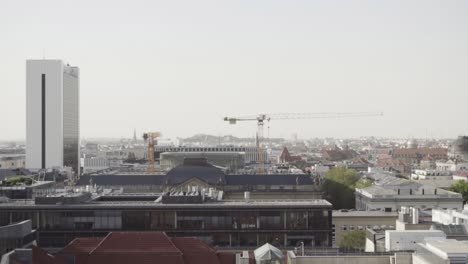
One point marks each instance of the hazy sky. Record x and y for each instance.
(179, 66)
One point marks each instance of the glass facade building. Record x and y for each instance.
(225, 224)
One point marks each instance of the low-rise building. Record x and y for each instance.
(61, 217)
(252, 154)
(198, 172)
(431, 175)
(460, 175)
(394, 165)
(441, 251)
(127, 247)
(345, 221)
(396, 240)
(451, 165)
(349, 258)
(231, 160)
(92, 164)
(393, 197)
(12, 162)
(451, 217)
(16, 235)
(24, 190)
(415, 155)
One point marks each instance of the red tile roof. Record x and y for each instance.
(136, 242)
(421, 151)
(82, 245)
(226, 258)
(195, 251)
(136, 258)
(143, 248)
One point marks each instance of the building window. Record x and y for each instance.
(344, 227)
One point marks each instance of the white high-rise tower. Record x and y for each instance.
(53, 118)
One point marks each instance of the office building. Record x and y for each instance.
(61, 217)
(52, 113)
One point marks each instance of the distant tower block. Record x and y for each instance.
(134, 135)
(412, 144)
(459, 149)
(52, 114)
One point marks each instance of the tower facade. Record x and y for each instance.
(52, 115)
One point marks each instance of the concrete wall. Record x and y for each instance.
(407, 240)
(17, 230)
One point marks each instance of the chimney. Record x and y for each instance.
(415, 215)
(247, 196)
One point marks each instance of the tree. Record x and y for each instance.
(353, 240)
(460, 187)
(364, 183)
(339, 187)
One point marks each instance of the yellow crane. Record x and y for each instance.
(261, 118)
(151, 138)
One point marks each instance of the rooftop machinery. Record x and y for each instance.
(261, 118)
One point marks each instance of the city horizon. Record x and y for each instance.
(167, 67)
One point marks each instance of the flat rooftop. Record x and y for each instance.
(263, 203)
(448, 246)
(339, 213)
(24, 186)
(418, 192)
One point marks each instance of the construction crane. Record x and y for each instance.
(261, 118)
(151, 137)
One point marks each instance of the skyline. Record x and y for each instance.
(407, 60)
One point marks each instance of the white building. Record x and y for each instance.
(439, 250)
(451, 217)
(431, 175)
(392, 197)
(398, 240)
(460, 175)
(451, 165)
(52, 113)
(13, 162)
(95, 164)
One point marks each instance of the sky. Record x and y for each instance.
(179, 67)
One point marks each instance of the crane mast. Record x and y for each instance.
(261, 118)
(151, 138)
